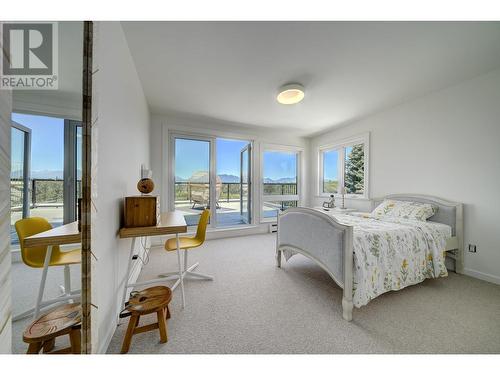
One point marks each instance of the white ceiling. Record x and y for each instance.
(231, 70)
(68, 96)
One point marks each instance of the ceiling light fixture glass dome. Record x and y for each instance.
(291, 93)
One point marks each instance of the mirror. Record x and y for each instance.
(49, 149)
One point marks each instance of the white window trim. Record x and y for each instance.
(340, 146)
(270, 198)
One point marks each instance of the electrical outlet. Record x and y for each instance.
(472, 248)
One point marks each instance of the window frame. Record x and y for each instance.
(212, 139)
(341, 146)
(271, 198)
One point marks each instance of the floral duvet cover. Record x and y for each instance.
(393, 253)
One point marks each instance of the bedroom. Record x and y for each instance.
(367, 150)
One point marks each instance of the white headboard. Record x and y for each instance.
(450, 213)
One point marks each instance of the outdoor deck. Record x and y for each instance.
(228, 213)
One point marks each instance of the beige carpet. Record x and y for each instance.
(254, 307)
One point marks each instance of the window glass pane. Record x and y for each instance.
(271, 209)
(280, 173)
(330, 171)
(354, 180)
(232, 182)
(192, 178)
(47, 166)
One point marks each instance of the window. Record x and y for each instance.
(279, 182)
(345, 165)
(331, 171)
(210, 169)
(46, 169)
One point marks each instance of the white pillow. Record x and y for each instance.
(405, 210)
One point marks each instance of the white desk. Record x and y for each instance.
(170, 223)
(62, 235)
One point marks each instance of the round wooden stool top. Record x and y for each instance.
(149, 300)
(53, 324)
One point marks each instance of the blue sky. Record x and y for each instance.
(47, 141)
(192, 156)
(228, 156)
(280, 165)
(330, 170)
(47, 152)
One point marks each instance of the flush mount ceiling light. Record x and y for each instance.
(290, 94)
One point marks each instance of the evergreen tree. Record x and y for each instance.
(355, 171)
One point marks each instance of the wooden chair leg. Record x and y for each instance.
(130, 332)
(75, 338)
(49, 345)
(168, 312)
(34, 348)
(162, 326)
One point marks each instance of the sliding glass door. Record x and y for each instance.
(20, 176)
(217, 170)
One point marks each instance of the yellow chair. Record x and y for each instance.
(187, 243)
(36, 257)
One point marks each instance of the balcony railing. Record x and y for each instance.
(42, 191)
(232, 190)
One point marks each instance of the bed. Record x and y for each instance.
(369, 256)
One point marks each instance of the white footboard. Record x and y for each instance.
(324, 240)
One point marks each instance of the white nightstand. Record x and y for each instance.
(336, 210)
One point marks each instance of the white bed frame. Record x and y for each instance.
(322, 238)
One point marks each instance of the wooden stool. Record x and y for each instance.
(148, 301)
(42, 333)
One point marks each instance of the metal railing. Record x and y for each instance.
(232, 190)
(277, 188)
(42, 191)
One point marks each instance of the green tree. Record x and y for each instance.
(355, 171)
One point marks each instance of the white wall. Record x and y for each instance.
(49, 103)
(5, 256)
(445, 144)
(161, 125)
(120, 145)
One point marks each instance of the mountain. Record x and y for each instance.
(53, 175)
(225, 178)
(45, 174)
(228, 178)
(284, 180)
